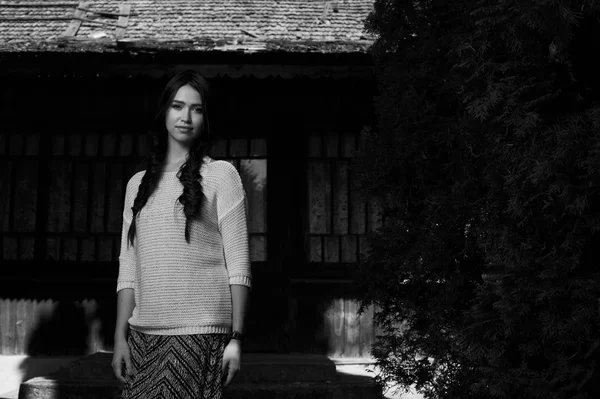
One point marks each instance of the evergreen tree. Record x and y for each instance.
(487, 154)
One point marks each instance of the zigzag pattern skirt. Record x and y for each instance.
(175, 366)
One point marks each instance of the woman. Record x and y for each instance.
(184, 270)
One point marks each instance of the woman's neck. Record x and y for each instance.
(175, 157)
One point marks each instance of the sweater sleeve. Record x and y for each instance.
(127, 257)
(231, 208)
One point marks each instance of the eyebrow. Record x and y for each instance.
(181, 102)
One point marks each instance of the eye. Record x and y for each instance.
(175, 106)
(198, 110)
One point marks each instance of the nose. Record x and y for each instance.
(186, 115)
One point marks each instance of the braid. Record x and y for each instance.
(192, 196)
(147, 185)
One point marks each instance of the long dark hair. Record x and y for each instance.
(189, 173)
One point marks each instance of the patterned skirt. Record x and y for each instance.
(175, 366)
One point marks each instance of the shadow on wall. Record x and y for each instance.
(61, 335)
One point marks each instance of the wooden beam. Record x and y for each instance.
(124, 9)
(247, 32)
(326, 9)
(33, 5)
(108, 14)
(74, 19)
(13, 19)
(93, 21)
(154, 69)
(76, 22)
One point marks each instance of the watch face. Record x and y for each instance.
(237, 335)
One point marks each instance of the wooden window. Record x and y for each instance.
(249, 156)
(84, 176)
(88, 174)
(61, 200)
(339, 217)
(19, 179)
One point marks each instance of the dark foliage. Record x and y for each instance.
(487, 156)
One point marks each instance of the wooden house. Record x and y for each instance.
(293, 87)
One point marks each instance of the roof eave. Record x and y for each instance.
(196, 45)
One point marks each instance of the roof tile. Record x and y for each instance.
(293, 20)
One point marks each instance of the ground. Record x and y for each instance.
(370, 370)
(12, 374)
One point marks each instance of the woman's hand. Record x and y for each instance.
(231, 360)
(120, 355)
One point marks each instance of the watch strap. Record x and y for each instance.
(237, 335)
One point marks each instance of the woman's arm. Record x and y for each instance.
(231, 206)
(122, 354)
(233, 351)
(239, 299)
(233, 225)
(125, 291)
(125, 305)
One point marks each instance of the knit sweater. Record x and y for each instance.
(181, 287)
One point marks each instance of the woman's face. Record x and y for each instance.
(184, 117)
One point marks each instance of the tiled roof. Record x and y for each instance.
(228, 25)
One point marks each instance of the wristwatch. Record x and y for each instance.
(237, 335)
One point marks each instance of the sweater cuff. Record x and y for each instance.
(240, 280)
(124, 284)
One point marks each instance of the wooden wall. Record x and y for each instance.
(62, 184)
(50, 327)
(332, 327)
(249, 156)
(85, 177)
(339, 217)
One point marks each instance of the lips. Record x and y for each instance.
(184, 127)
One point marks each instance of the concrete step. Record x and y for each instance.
(262, 376)
(256, 367)
(343, 387)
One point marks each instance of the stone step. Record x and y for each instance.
(256, 367)
(297, 376)
(342, 387)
